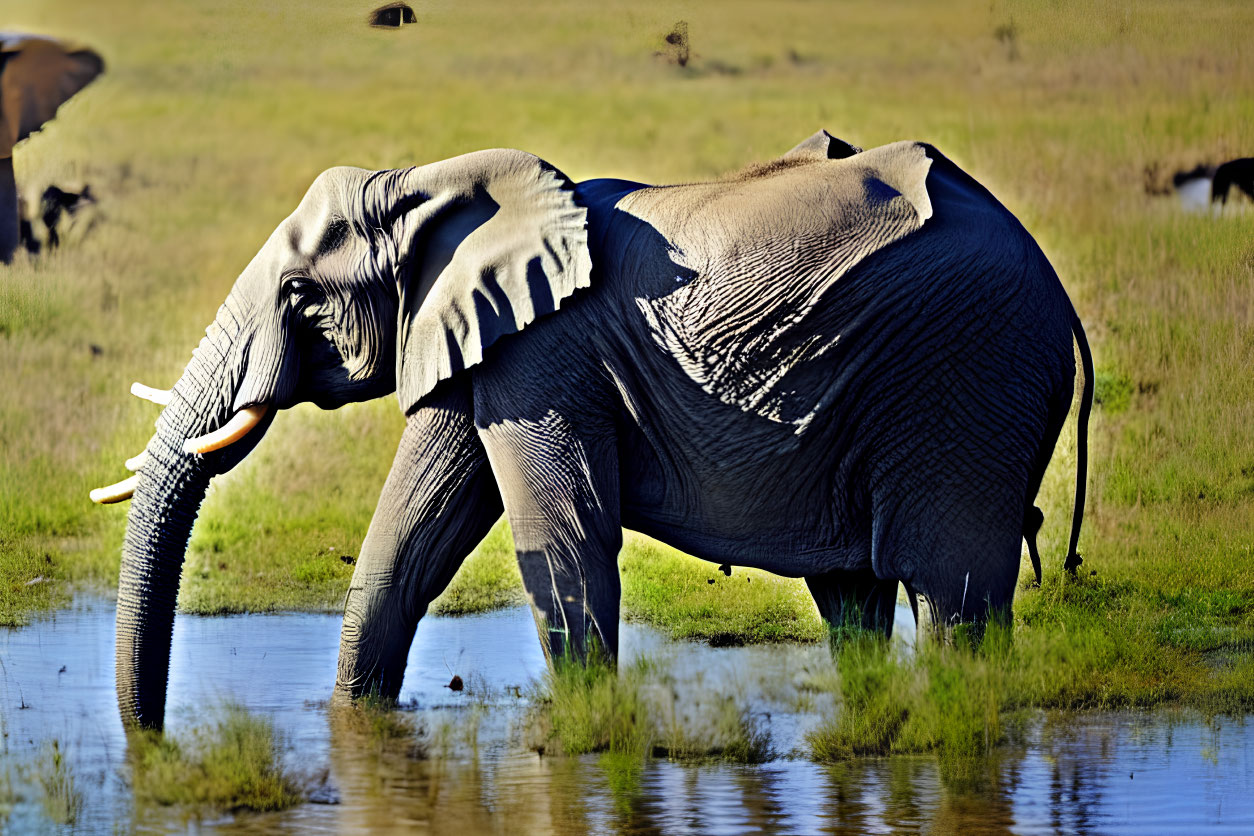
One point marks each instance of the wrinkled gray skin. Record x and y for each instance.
(851, 370)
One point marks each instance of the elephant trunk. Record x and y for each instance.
(170, 488)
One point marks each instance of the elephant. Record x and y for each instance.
(842, 365)
(37, 76)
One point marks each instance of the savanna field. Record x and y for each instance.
(211, 121)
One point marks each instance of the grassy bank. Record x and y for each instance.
(210, 124)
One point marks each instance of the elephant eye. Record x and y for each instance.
(298, 285)
(303, 292)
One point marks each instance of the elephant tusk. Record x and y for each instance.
(135, 463)
(157, 396)
(115, 493)
(229, 433)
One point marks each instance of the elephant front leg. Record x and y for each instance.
(439, 501)
(854, 599)
(560, 489)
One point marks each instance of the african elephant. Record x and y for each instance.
(848, 366)
(37, 75)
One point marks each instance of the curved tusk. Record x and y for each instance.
(134, 464)
(115, 493)
(229, 433)
(157, 396)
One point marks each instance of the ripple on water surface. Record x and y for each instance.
(1078, 773)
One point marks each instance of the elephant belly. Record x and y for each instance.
(791, 554)
(786, 517)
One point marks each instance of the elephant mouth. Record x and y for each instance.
(240, 424)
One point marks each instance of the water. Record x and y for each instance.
(1194, 194)
(1102, 773)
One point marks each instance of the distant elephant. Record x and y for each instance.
(37, 75)
(846, 366)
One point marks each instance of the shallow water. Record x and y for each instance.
(1087, 773)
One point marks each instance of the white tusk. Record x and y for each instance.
(115, 493)
(137, 462)
(157, 396)
(229, 433)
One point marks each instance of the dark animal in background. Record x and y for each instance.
(392, 16)
(1239, 173)
(1198, 172)
(56, 202)
(25, 230)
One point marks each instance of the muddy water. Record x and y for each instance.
(1088, 773)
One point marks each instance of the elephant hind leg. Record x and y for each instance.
(854, 599)
(968, 578)
(438, 502)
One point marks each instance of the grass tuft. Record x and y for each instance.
(625, 716)
(232, 763)
(593, 707)
(62, 801)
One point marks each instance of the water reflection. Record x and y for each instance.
(466, 771)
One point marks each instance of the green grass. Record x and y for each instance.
(593, 708)
(62, 800)
(1078, 644)
(692, 599)
(8, 795)
(210, 124)
(488, 580)
(231, 763)
(627, 715)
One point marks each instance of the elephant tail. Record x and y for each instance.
(1082, 444)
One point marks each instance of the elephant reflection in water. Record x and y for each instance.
(849, 366)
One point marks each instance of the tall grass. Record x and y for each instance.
(61, 798)
(592, 708)
(626, 715)
(230, 763)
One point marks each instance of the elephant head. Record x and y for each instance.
(379, 281)
(37, 75)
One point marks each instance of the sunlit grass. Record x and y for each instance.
(593, 707)
(230, 763)
(692, 599)
(627, 715)
(488, 580)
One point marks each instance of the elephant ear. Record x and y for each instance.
(37, 75)
(493, 241)
(822, 146)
